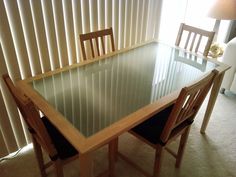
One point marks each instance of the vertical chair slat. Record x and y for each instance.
(83, 49)
(198, 43)
(92, 49)
(193, 41)
(112, 40)
(187, 41)
(97, 44)
(103, 46)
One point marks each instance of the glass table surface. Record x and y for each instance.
(96, 95)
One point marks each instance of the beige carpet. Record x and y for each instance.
(210, 155)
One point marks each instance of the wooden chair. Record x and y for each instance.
(96, 35)
(191, 43)
(44, 134)
(172, 122)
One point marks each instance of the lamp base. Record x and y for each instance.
(216, 29)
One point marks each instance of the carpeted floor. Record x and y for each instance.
(209, 155)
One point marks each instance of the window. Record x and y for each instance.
(191, 12)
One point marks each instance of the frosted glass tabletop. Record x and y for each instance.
(96, 95)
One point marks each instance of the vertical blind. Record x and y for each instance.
(37, 36)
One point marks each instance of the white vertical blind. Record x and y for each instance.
(133, 27)
(40, 33)
(139, 21)
(77, 16)
(49, 26)
(121, 23)
(115, 21)
(19, 41)
(144, 19)
(7, 139)
(157, 13)
(29, 35)
(64, 55)
(108, 19)
(7, 45)
(70, 35)
(127, 23)
(101, 14)
(37, 36)
(93, 8)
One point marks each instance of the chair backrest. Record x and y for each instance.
(188, 103)
(31, 117)
(191, 43)
(96, 35)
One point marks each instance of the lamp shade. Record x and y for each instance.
(223, 10)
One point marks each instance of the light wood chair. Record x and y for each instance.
(171, 123)
(194, 33)
(44, 134)
(95, 36)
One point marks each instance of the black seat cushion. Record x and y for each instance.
(151, 129)
(63, 147)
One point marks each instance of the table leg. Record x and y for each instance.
(113, 148)
(85, 165)
(214, 93)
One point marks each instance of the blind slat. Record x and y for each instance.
(76, 5)
(86, 23)
(101, 14)
(108, 21)
(49, 26)
(127, 23)
(60, 32)
(134, 21)
(93, 15)
(158, 18)
(139, 21)
(8, 142)
(144, 20)
(8, 53)
(108, 13)
(18, 37)
(70, 38)
(151, 19)
(10, 121)
(3, 150)
(121, 23)
(40, 34)
(29, 35)
(6, 129)
(115, 22)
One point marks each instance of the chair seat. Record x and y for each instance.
(152, 128)
(63, 147)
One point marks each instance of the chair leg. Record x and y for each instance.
(158, 159)
(58, 168)
(182, 145)
(39, 157)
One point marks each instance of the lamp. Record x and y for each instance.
(222, 10)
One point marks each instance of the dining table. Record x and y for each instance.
(95, 101)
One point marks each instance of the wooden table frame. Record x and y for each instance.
(109, 135)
